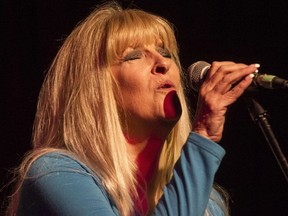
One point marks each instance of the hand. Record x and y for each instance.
(225, 83)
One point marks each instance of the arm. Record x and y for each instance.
(58, 185)
(189, 190)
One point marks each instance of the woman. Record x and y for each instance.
(112, 122)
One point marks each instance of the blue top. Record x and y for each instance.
(57, 184)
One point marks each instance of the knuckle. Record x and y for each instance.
(226, 78)
(215, 64)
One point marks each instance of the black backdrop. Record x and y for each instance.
(252, 31)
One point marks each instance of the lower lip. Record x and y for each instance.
(167, 88)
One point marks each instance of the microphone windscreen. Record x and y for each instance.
(196, 74)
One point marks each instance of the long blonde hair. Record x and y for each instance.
(77, 112)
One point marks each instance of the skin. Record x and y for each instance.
(145, 76)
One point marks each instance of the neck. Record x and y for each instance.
(145, 142)
(146, 155)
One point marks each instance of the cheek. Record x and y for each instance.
(172, 106)
(133, 96)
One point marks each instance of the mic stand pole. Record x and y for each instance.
(259, 115)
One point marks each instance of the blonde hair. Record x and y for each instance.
(77, 112)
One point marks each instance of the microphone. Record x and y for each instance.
(197, 73)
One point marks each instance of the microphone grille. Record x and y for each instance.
(196, 74)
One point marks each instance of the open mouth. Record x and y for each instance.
(166, 85)
(172, 106)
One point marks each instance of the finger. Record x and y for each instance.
(216, 65)
(233, 74)
(217, 71)
(238, 89)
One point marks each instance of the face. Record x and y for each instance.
(148, 79)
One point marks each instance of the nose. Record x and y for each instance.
(161, 65)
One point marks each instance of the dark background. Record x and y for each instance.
(239, 30)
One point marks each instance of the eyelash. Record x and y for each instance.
(133, 56)
(138, 54)
(165, 53)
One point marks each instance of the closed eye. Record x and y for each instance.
(164, 52)
(135, 54)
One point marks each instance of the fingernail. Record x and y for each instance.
(252, 75)
(257, 65)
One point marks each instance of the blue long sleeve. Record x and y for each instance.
(57, 184)
(189, 190)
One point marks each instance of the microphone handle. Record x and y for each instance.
(271, 81)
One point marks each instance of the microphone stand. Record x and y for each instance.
(259, 115)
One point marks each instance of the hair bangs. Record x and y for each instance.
(135, 28)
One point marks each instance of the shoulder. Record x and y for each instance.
(60, 184)
(55, 162)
